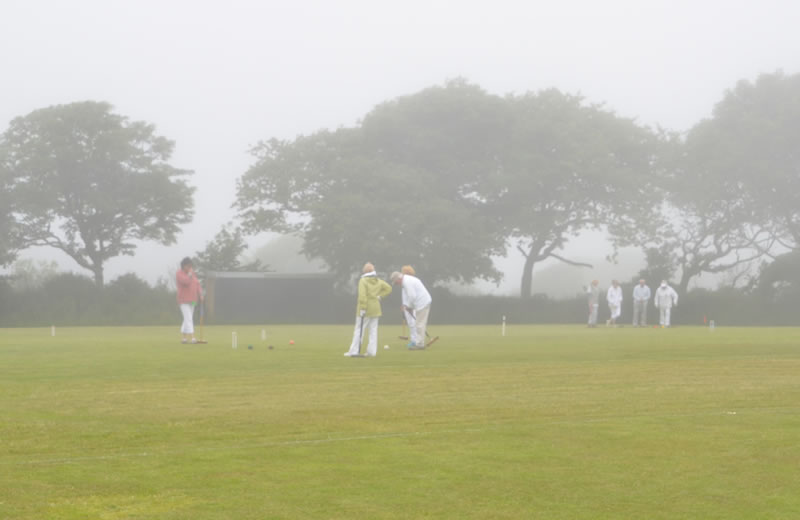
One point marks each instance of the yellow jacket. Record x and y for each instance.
(370, 291)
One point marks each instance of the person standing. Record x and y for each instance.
(417, 302)
(368, 311)
(666, 298)
(189, 294)
(614, 299)
(641, 297)
(593, 293)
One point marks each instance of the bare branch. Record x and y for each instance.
(571, 262)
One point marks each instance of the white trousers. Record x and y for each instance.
(593, 313)
(412, 326)
(187, 309)
(370, 328)
(640, 313)
(422, 323)
(664, 313)
(616, 310)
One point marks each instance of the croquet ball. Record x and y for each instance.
(250, 347)
(386, 347)
(270, 347)
(291, 342)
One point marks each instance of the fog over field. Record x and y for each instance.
(219, 77)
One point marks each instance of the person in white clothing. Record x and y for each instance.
(641, 297)
(408, 316)
(614, 299)
(593, 294)
(666, 298)
(417, 300)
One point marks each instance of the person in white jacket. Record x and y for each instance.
(614, 299)
(593, 295)
(666, 298)
(408, 316)
(417, 300)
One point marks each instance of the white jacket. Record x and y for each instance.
(415, 295)
(614, 296)
(666, 297)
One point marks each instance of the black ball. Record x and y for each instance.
(250, 347)
(270, 347)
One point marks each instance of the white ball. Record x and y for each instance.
(386, 347)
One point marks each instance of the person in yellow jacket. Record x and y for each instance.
(370, 291)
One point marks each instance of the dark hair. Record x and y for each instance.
(186, 261)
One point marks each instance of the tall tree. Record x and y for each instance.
(722, 195)
(566, 167)
(756, 130)
(398, 188)
(90, 182)
(700, 223)
(8, 228)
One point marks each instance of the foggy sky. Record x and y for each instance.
(217, 77)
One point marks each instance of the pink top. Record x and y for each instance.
(188, 287)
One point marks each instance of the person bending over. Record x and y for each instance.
(417, 302)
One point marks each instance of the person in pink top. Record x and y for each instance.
(189, 295)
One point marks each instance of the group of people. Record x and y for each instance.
(416, 302)
(664, 300)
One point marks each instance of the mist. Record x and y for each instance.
(219, 78)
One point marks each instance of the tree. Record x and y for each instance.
(756, 130)
(90, 183)
(224, 253)
(9, 240)
(659, 265)
(565, 168)
(779, 281)
(704, 237)
(705, 221)
(398, 188)
(28, 275)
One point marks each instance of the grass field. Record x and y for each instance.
(548, 422)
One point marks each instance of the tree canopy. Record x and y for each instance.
(91, 183)
(446, 178)
(395, 190)
(756, 131)
(565, 168)
(8, 229)
(730, 193)
(224, 253)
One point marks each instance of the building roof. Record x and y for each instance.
(268, 275)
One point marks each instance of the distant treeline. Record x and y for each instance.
(446, 179)
(68, 299)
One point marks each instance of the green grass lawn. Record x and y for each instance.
(548, 422)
